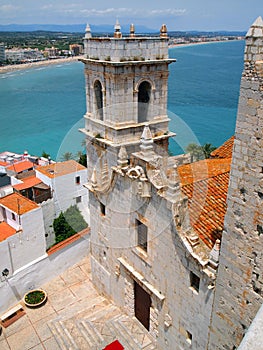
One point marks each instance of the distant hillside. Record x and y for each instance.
(70, 28)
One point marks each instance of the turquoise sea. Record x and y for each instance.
(41, 109)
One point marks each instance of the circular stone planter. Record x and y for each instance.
(35, 298)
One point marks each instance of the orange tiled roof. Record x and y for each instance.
(27, 183)
(6, 231)
(205, 183)
(20, 166)
(17, 203)
(224, 151)
(61, 168)
(203, 169)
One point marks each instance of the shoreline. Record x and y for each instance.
(22, 66)
(172, 46)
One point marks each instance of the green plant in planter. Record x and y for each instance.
(35, 297)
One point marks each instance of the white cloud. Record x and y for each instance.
(168, 12)
(124, 12)
(9, 8)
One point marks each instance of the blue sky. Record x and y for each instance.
(177, 14)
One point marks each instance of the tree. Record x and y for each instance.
(208, 149)
(45, 154)
(196, 151)
(68, 223)
(67, 156)
(83, 160)
(200, 152)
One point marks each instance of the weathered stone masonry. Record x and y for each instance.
(239, 285)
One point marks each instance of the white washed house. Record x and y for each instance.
(22, 234)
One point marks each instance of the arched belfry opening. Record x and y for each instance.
(144, 98)
(98, 99)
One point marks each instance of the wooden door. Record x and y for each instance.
(142, 304)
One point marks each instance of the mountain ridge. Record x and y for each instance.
(104, 28)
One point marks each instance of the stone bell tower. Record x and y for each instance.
(126, 89)
(239, 285)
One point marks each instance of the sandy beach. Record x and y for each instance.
(201, 43)
(11, 68)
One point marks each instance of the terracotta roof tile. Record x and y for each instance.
(20, 166)
(205, 183)
(224, 151)
(6, 231)
(27, 183)
(61, 168)
(203, 169)
(17, 203)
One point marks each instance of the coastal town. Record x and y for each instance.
(137, 248)
(68, 46)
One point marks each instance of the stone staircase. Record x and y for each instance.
(96, 326)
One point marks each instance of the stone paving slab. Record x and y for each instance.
(72, 299)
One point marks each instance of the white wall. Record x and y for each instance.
(65, 191)
(28, 245)
(38, 273)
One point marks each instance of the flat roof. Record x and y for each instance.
(61, 168)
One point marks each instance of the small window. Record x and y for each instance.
(141, 235)
(189, 337)
(102, 209)
(13, 217)
(194, 281)
(78, 199)
(77, 180)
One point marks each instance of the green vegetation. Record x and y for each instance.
(45, 154)
(40, 39)
(68, 223)
(67, 156)
(34, 297)
(83, 160)
(200, 152)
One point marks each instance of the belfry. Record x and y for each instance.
(126, 89)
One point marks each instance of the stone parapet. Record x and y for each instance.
(126, 49)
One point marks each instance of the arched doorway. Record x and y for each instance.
(98, 98)
(144, 97)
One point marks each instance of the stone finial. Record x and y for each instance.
(87, 32)
(173, 184)
(123, 157)
(163, 31)
(214, 255)
(146, 141)
(254, 38)
(132, 31)
(105, 173)
(117, 28)
(93, 179)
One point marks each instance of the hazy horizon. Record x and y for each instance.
(204, 15)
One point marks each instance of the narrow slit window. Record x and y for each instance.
(142, 235)
(194, 281)
(102, 209)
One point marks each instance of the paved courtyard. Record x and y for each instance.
(74, 317)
